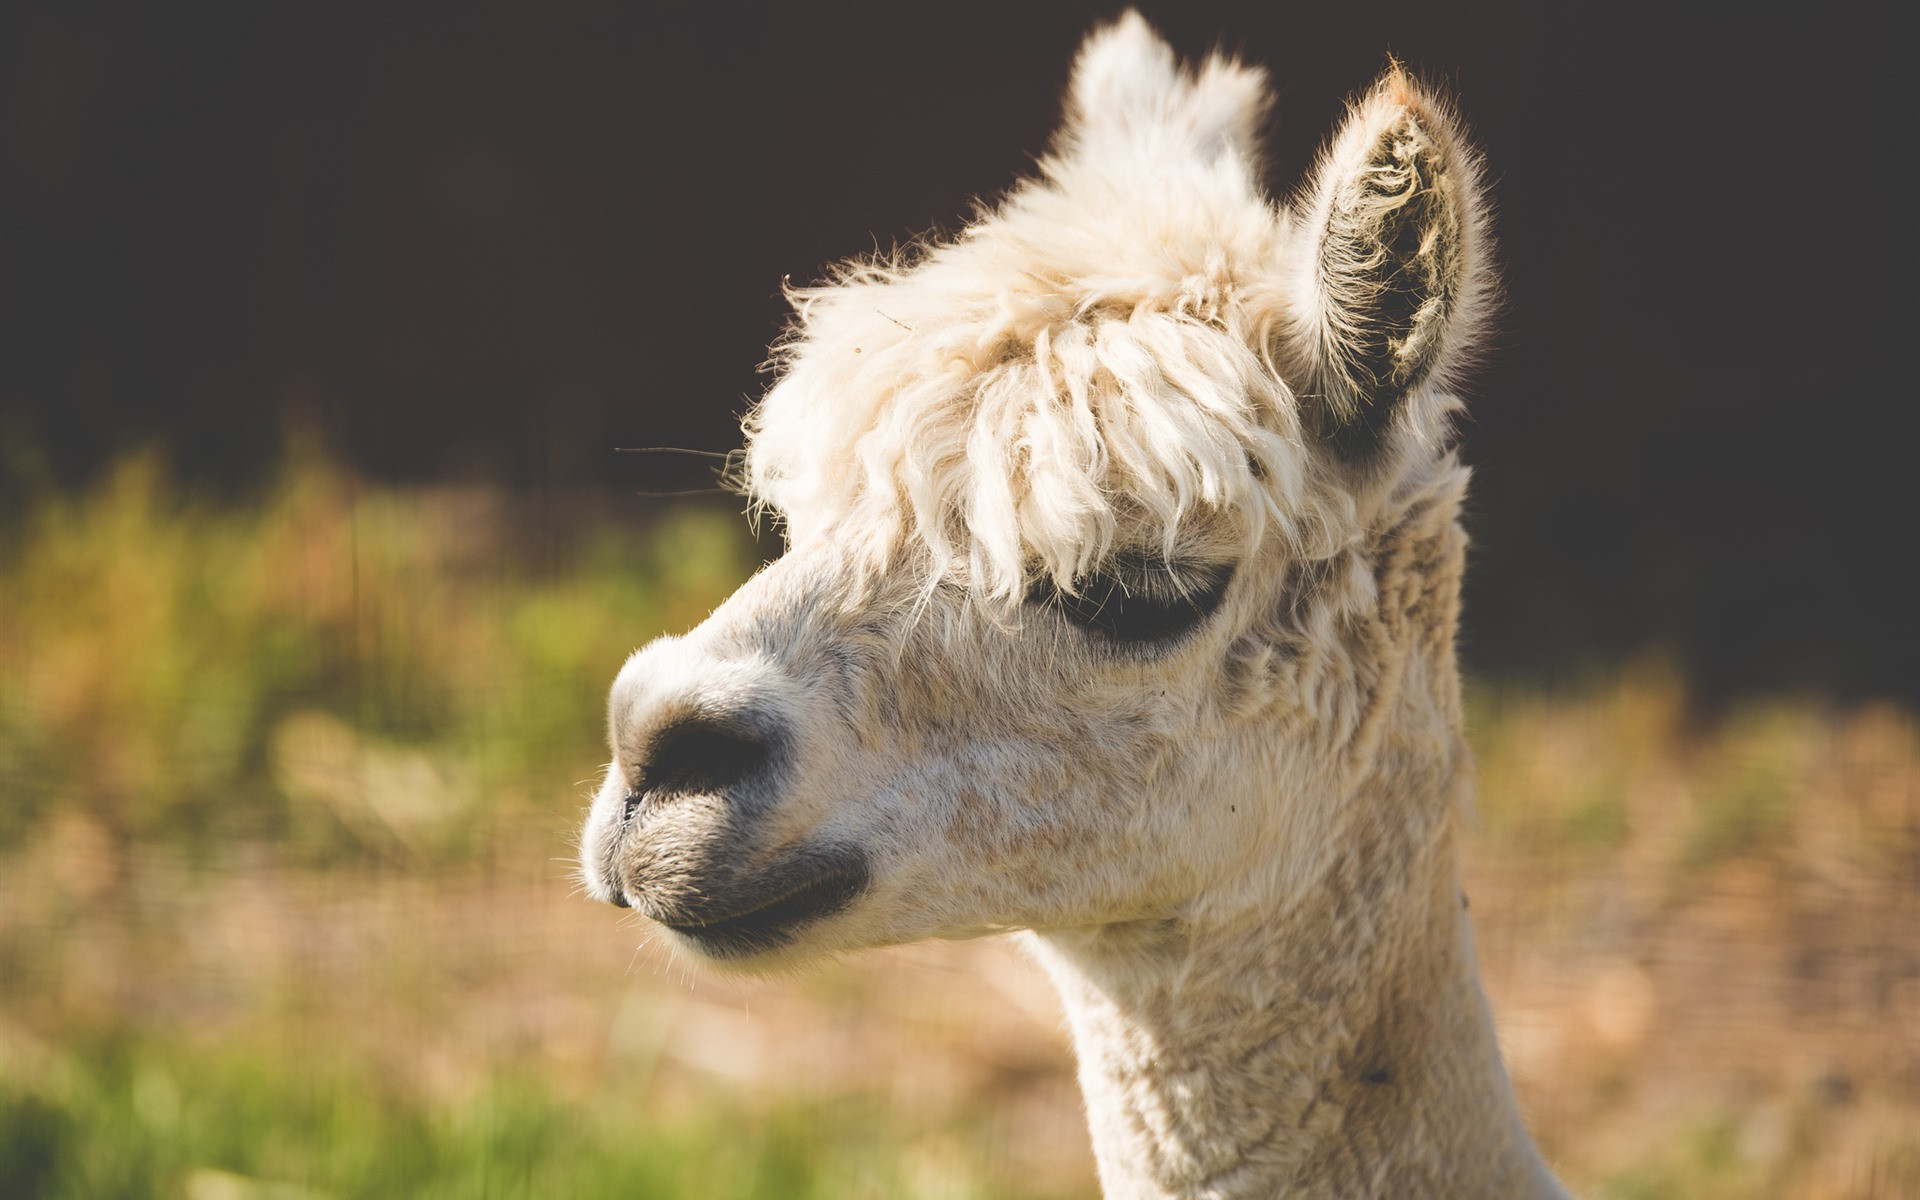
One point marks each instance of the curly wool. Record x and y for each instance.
(1083, 369)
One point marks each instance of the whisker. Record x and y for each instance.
(722, 455)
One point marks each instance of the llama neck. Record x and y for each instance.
(1343, 1049)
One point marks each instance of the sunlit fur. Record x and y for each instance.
(1234, 849)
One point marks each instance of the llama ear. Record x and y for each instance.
(1387, 279)
(1130, 98)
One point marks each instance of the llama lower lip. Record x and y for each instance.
(768, 921)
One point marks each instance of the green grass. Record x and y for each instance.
(133, 1118)
(336, 670)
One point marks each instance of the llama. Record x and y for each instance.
(1118, 609)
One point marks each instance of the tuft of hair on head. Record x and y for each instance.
(1392, 282)
(1130, 99)
(1136, 343)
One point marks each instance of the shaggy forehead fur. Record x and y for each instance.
(1087, 367)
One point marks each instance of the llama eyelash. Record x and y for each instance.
(1138, 601)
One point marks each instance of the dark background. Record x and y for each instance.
(492, 243)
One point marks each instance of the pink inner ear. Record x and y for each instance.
(1390, 281)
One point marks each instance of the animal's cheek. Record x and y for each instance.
(1254, 675)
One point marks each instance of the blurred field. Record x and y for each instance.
(286, 798)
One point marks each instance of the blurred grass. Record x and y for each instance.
(127, 1119)
(285, 782)
(338, 670)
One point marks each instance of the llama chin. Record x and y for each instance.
(1119, 607)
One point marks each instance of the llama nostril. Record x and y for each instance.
(701, 755)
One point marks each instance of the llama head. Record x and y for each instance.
(1085, 601)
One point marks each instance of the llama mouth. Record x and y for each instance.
(788, 899)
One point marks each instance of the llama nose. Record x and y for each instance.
(704, 754)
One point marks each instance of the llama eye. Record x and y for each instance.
(1139, 601)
